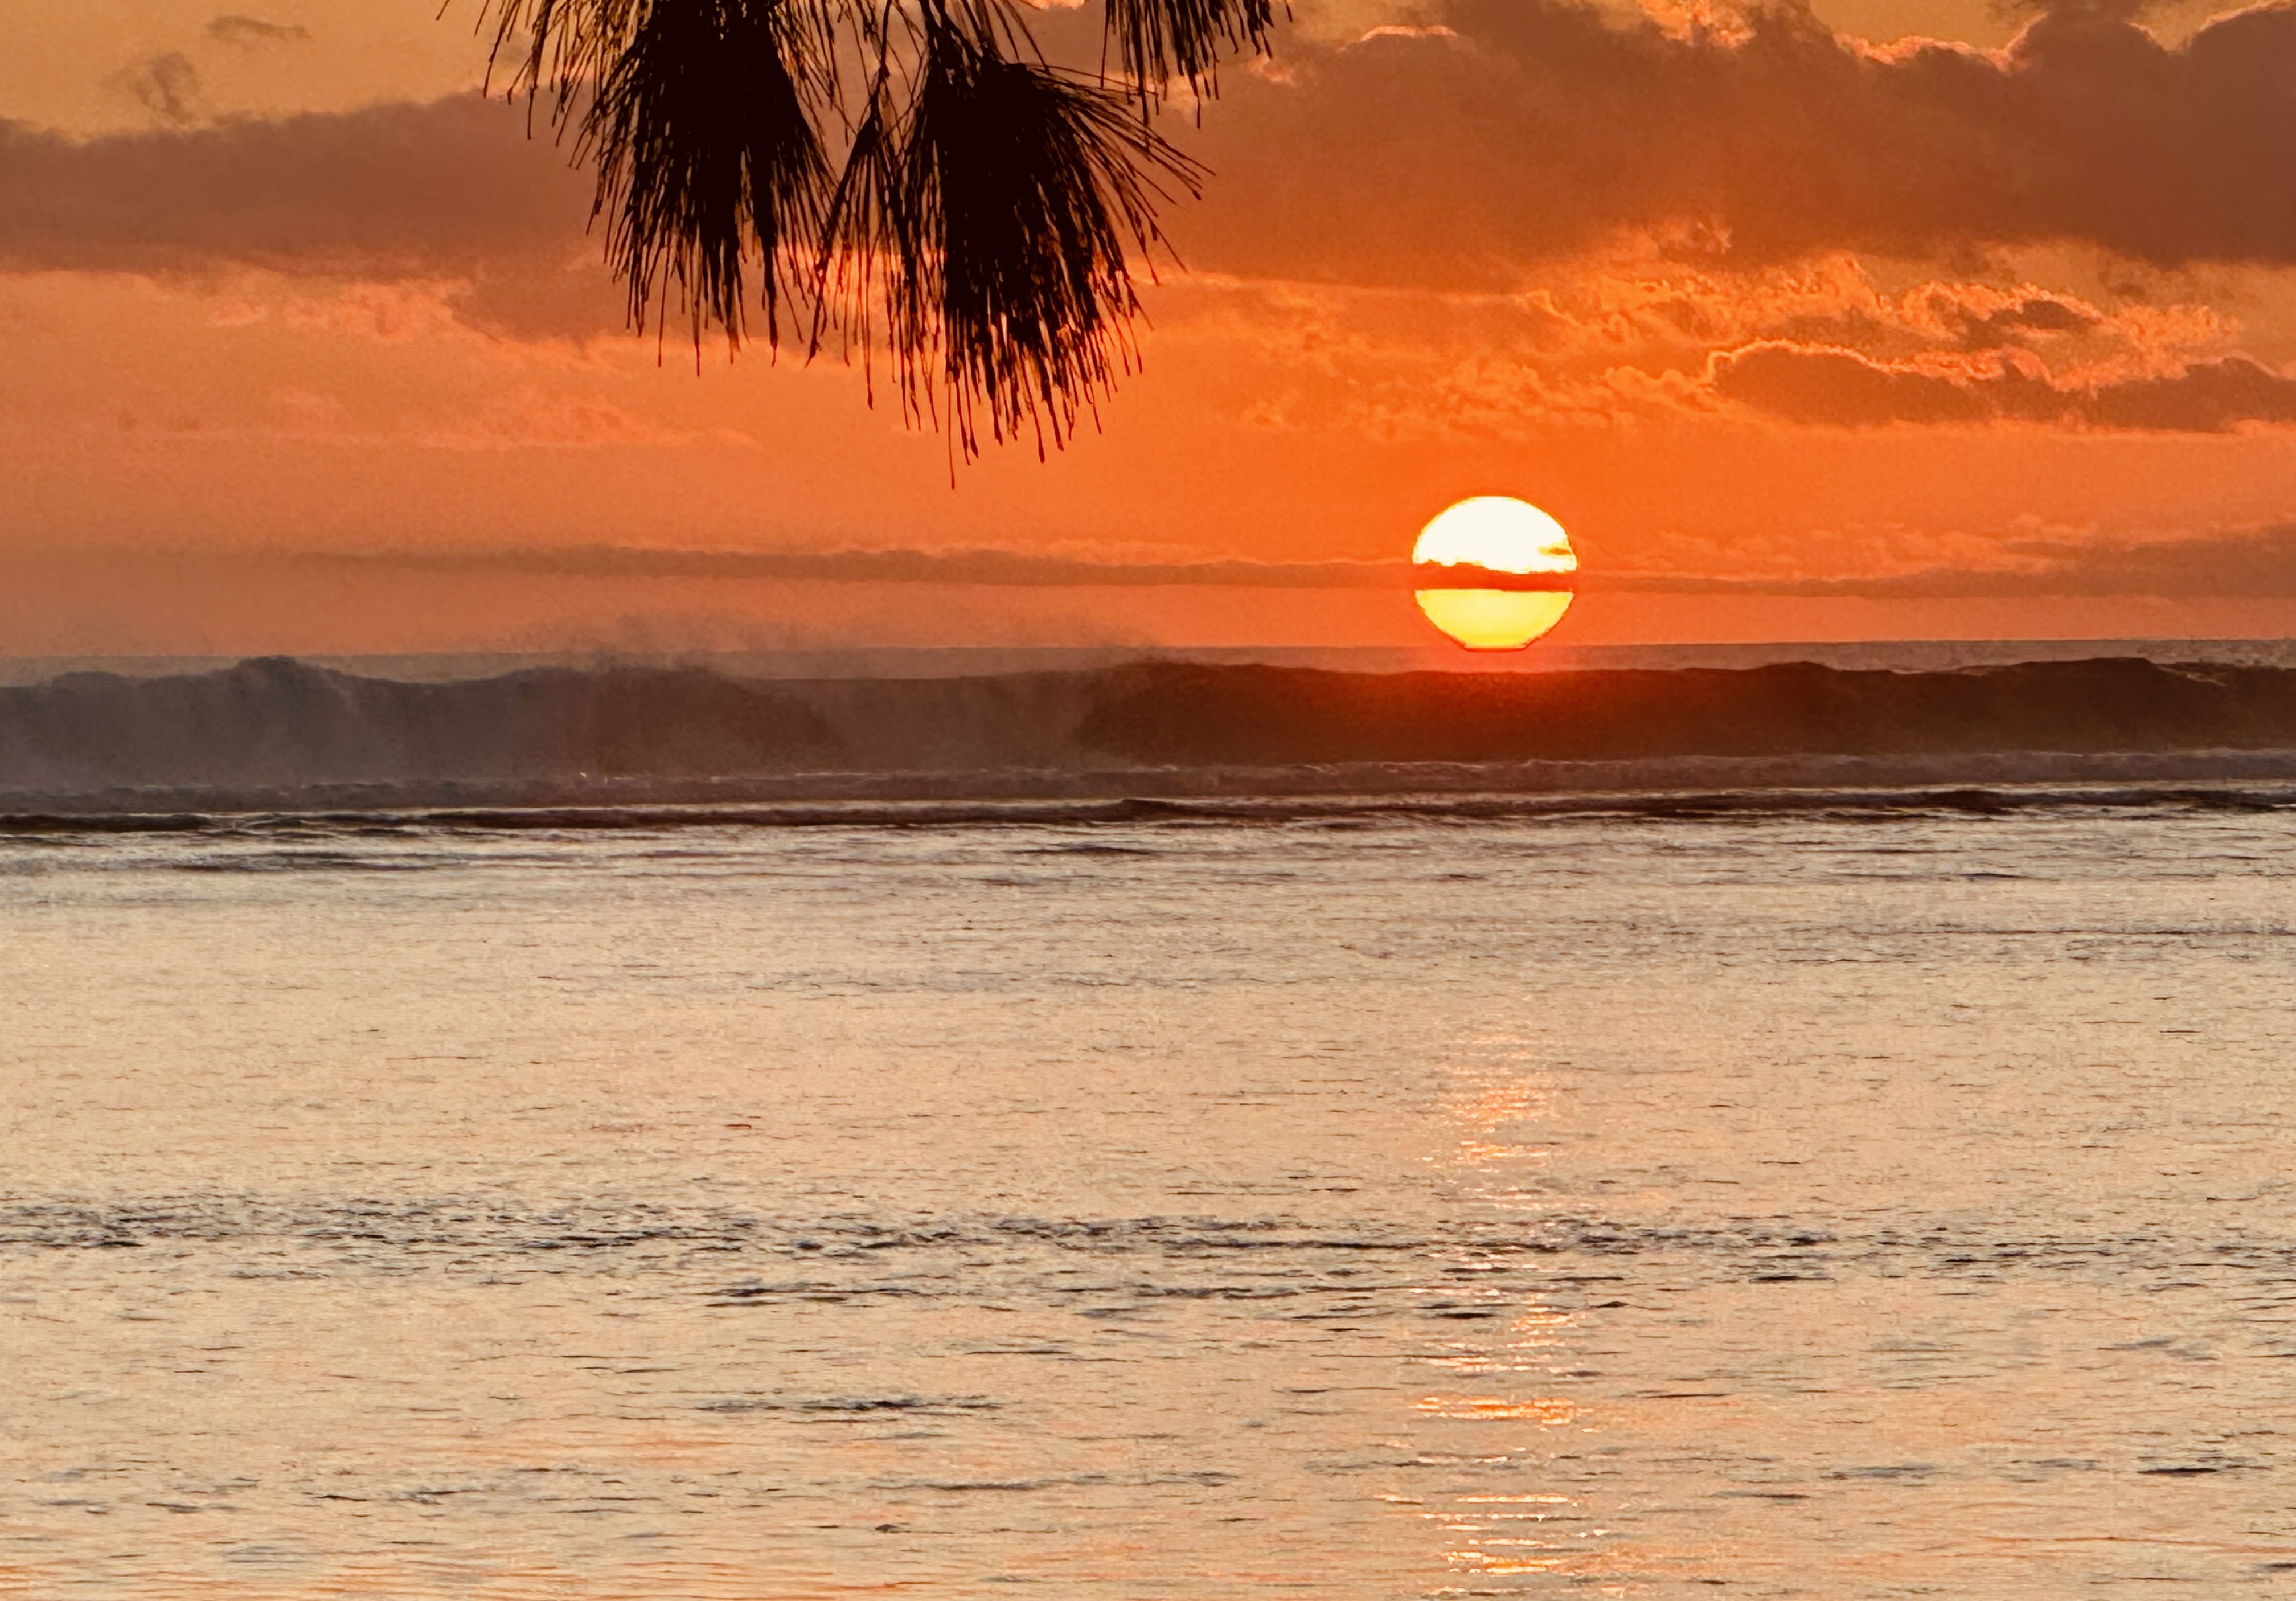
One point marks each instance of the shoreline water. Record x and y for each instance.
(1424, 1197)
(2233, 782)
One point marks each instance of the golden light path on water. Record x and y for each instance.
(1495, 533)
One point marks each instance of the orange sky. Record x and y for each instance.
(1805, 328)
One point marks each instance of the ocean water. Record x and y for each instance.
(1850, 1201)
(275, 734)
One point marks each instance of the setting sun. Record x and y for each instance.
(1484, 542)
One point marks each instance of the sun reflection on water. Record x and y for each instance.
(1494, 1110)
(1548, 1411)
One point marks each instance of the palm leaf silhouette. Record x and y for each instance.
(912, 173)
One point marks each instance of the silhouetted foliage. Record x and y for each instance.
(913, 174)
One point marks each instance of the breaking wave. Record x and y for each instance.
(276, 733)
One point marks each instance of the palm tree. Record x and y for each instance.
(904, 175)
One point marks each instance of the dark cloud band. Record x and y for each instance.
(1538, 128)
(2245, 563)
(392, 189)
(1805, 384)
(999, 568)
(1523, 131)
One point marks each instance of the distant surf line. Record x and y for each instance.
(1266, 810)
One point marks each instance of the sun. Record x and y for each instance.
(1486, 542)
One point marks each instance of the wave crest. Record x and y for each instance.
(277, 733)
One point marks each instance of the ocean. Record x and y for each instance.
(286, 736)
(1825, 1192)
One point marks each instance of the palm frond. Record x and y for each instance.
(982, 228)
(862, 248)
(560, 46)
(1157, 41)
(708, 157)
(1017, 194)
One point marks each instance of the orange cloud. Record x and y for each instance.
(1608, 343)
(391, 190)
(1543, 129)
(1509, 132)
(2256, 563)
(1819, 384)
(2253, 563)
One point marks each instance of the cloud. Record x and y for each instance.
(2255, 563)
(391, 190)
(1817, 343)
(250, 31)
(1805, 384)
(1510, 133)
(997, 567)
(1749, 168)
(2115, 11)
(2212, 396)
(168, 86)
(1543, 129)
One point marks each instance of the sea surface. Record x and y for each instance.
(1844, 1200)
